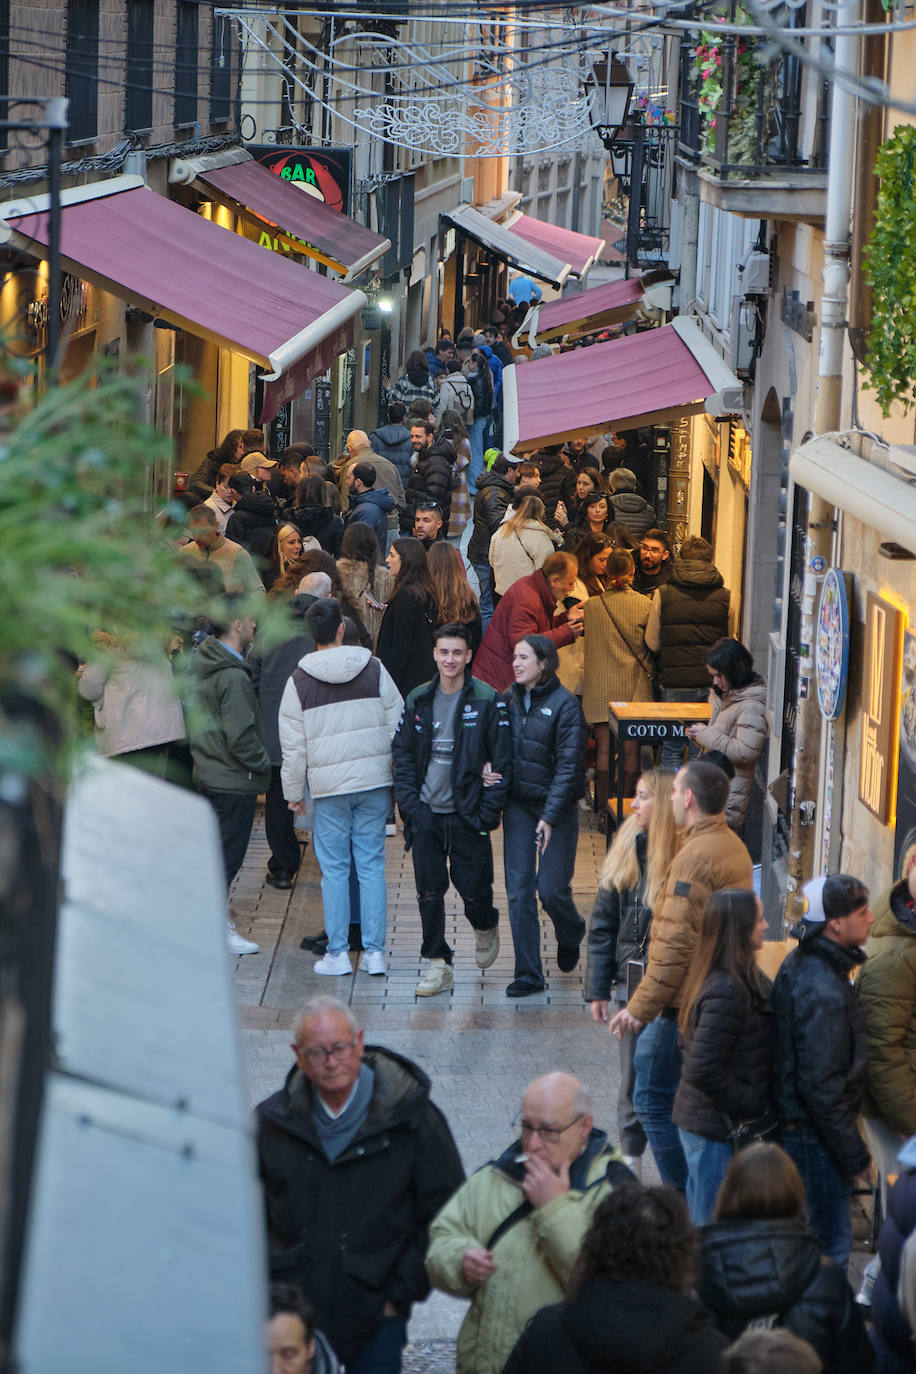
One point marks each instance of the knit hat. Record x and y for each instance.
(832, 896)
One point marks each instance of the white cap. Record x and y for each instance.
(813, 892)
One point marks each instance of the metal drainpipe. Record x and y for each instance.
(827, 417)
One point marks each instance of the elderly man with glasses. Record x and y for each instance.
(510, 1236)
(355, 1161)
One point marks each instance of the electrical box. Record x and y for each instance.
(754, 274)
(742, 353)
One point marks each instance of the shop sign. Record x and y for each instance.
(883, 659)
(905, 839)
(320, 172)
(831, 645)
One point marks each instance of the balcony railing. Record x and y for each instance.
(651, 191)
(756, 127)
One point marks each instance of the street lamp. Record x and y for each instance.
(609, 89)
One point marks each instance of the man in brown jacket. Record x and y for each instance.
(711, 859)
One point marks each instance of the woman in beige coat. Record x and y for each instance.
(738, 727)
(617, 666)
(520, 545)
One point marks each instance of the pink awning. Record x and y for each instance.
(325, 234)
(644, 379)
(183, 268)
(587, 311)
(579, 250)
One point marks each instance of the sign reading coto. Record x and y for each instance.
(884, 626)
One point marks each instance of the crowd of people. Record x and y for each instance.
(396, 683)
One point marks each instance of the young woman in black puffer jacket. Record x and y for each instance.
(762, 1266)
(728, 1036)
(618, 934)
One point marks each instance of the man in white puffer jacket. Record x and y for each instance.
(337, 718)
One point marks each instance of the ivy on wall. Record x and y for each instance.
(890, 269)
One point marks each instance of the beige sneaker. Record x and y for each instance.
(438, 978)
(487, 946)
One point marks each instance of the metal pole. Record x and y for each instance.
(56, 112)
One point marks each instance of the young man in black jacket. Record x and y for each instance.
(450, 728)
(819, 1070)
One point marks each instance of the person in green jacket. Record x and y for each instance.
(231, 763)
(509, 1237)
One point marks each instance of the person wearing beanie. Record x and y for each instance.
(820, 1061)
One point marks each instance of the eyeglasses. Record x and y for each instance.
(319, 1054)
(549, 1134)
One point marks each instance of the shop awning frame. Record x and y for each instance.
(582, 250)
(261, 198)
(198, 276)
(869, 493)
(509, 247)
(613, 386)
(583, 312)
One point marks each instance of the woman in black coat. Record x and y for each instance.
(761, 1264)
(541, 819)
(313, 516)
(728, 1034)
(630, 1310)
(405, 637)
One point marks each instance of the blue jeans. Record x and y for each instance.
(382, 1355)
(673, 750)
(657, 1061)
(548, 876)
(355, 821)
(476, 431)
(485, 596)
(826, 1189)
(707, 1161)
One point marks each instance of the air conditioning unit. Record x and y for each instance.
(742, 353)
(754, 274)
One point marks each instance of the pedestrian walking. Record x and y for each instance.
(724, 1100)
(618, 933)
(405, 637)
(451, 729)
(455, 602)
(521, 544)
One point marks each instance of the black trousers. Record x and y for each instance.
(444, 845)
(235, 813)
(281, 830)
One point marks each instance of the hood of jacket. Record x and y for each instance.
(693, 572)
(391, 434)
(631, 1324)
(400, 1088)
(311, 519)
(751, 691)
(842, 958)
(213, 657)
(494, 479)
(340, 664)
(754, 1267)
(259, 503)
(442, 448)
(629, 501)
(894, 915)
(377, 496)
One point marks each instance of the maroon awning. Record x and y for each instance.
(579, 250)
(646, 378)
(325, 234)
(166, 260)
(586, 311)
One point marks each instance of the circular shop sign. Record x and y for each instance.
(831, 648)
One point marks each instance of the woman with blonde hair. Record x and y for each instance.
(521, 543)
(284, 549)
(723, 1098)
(617, 665)
(618, 935)
(455, 602)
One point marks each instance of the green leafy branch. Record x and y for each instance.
(890, 269)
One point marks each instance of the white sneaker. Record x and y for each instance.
(438, 978)
(237, 943)
(634, 1164)
(334, 964)
(372, 961)
(487, 946)
(390, 829)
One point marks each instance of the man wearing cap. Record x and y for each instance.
(254, 521)
(820, 1062)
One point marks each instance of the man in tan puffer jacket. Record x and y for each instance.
(711, 859)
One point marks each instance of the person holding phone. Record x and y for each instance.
(541, 820)
(618, 936)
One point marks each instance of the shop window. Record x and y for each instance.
(186, 62)
(221, 74)
(82, 68)
(139, 99)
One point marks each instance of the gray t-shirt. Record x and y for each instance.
(437, 785)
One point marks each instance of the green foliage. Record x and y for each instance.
(890, 269)
(80, 554)
(708, 71)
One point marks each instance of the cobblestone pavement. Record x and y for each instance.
(479, 1048)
